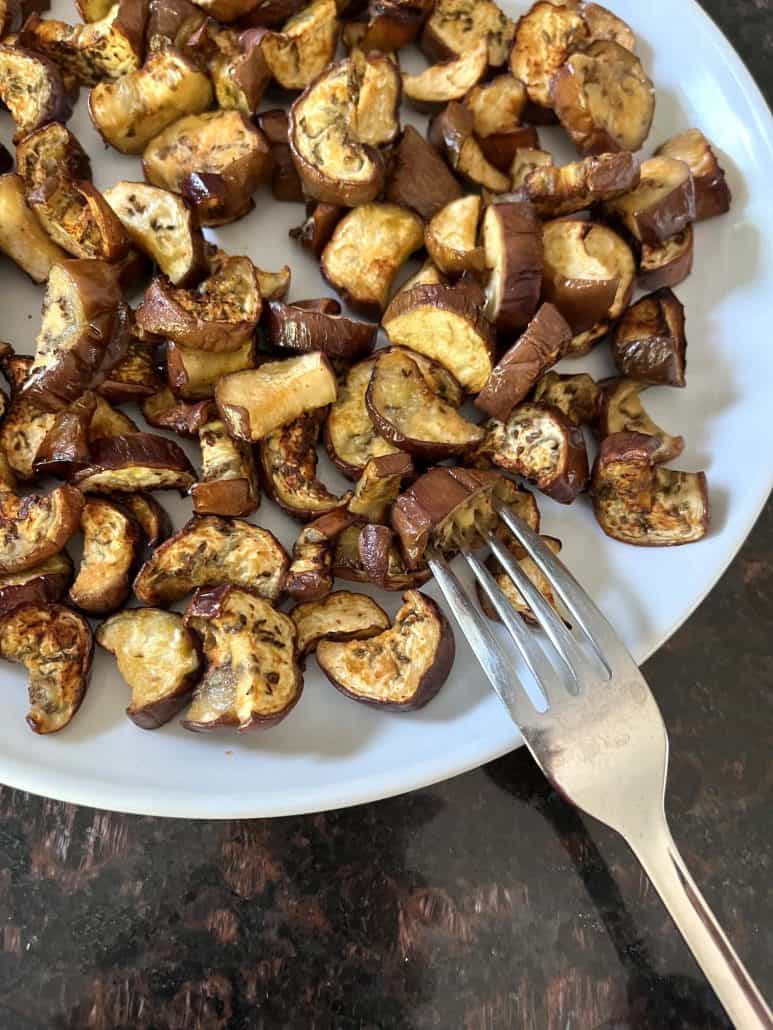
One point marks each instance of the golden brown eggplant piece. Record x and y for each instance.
(310, 576)
(544, 38)
(712, 193)
(452, 132)
(139, 461)
(379, 486)
(379, 91)
(152, 519)
(43, 584)
(111, 543)
(451, 237)
(22, 238)
(455, 26)
(134, 377)
(570, 188)
(163, 410)
(32, 89)
(621, 411)
(450, 80)
(228, 484)
(78, 218)
(37, 526)
(386, 25)
(305, 46)
(668, 263)
(288, 462)
(193, 374)
(576, 396)
(509, 589)
(51, 152)
(238, 68)
(350, 437)
(649, 343)
(342, 615)
(661, 205)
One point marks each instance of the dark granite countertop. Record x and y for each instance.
(484, 903)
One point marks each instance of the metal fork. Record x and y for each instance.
(596, 732)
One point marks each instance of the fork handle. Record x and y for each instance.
(703, 935)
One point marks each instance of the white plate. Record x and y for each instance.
(331, 752)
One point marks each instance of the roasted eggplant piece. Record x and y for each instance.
(574, 187)
(159, 659)
(407, 413)
(288, 461)
(139, 461)
(377, 114)
(334, 166)
(210, 551)
(386, 25)
(509, 589)
(379, 485)
(450, 80)
(255, 402)
(621, 411)
(667, 264)
(171, 23)
(419, 178)
(84, 333)
(152, 519)
(661, 206)
(130, 112)
(525, 161)
(512, 241)
(228, 484)
(317, 228)
(238, 69)
(712, 193)
(216, 160)
(163, 410)
(66, 447)
(451, 238)
(15, 367)
(22, 237)
(37, 526)
(304, 47)
(351, 439)
(108, 421)
(428, 275)
(220, 314)
(106, 48)
(78, 218)
(192, 374)
(539, 443)
(641, 503)
(43, 584)
(55, 646)
(370, 555)
(544, 38)
(22, 432)
(342, 615)
(497, 107)
(602, 24)
(51, 152)
(366, 251)
(576, 396)
(134, 377)
(589, 275)
(252, 678)
(32, 89)
(111, 542)
(403, 667)
(455, 26)
(604, 99)
(649, 343)
(290, 327)
(310, 576)
(452, 133)
(273, 285)
(445, 325)
(544, 342)
(161, 225)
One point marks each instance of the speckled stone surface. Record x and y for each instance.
(482, 904)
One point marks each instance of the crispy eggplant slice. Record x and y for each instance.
(350, 437)
(229, 483)
(366, 251)
(641, 503)
(22, 238)
(111, 541)
(544, 38)
(386, 25)
(602, 24)
(445, 325)
(370, 555)
(159, 659)
(32, 89)
(403, 667)
(252, 678)
(590, 274)
(407, 413)
(543, 343)
(509, 589)
(649, 342)
(449, 80)
(377, 114)
(84, 333)
(712, 193)
(512, 241)
(334, 166)
(451, 238)
(342, 615)
(43, 584)
(239, 70)
(304, 47)
(254, 403)
(139, 461)
(539, 443)
(163, 410)
(310, 576)
(216, 159)
(66, 449)
(133, 378)
(497, 107)
(161, 225)
(152, 519)
(576, 396)
(128, 113)
(662, 205)
(289, 327)
(378, 486)
(667, 264)
(55, 646)
(171, 23)
(193, 374)
(210, 551)
(23, 430)
(317, 228)
(34, 527)
(621, 411)
(288, 461)
(273, 285)
(220, 314)
(78, 218)
(451, 132)
(106, 48)
(604, 99)
(574, 187)
(419, 178)
(51, 152)
(455, 26)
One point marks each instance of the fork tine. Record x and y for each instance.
(494, 660)
(606, 643)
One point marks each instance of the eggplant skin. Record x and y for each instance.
(301, 329)
(138, 461)
(419, 178)
(32, 88)
(37, 526)
(43, 584)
